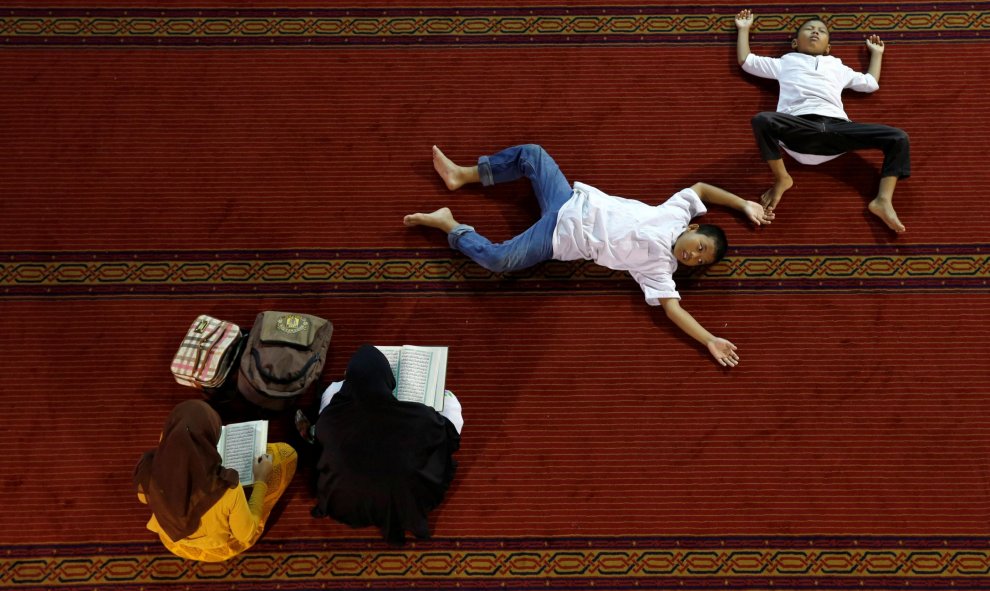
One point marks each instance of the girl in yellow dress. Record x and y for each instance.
(199, 509)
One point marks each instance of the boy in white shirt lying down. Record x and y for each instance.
(810, 123)
(585, 223)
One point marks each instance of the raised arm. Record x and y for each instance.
(716, 196)
(744, 21)
(875, 46)
(722, 350)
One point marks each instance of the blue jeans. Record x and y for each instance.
(535, 245)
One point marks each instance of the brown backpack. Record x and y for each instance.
(283, 358)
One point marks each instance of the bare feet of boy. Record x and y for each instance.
(771, 197)
(883, 209)
(441, 219)
(453, 176)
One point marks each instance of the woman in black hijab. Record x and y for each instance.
(383, 462)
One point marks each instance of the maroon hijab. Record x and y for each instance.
(183, 477)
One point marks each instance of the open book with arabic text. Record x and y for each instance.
(420, 373)
(240, 445)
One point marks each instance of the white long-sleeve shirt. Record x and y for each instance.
(626, 235)
(810, 84)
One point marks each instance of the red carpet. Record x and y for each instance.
(145, 180)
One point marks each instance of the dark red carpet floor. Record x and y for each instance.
(159, 164)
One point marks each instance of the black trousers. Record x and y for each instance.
(817, 134)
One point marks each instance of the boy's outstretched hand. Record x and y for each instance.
(744, 19)
(874, 43)
(757, 214)
(723, 351)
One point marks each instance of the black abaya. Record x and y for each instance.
(383, 462)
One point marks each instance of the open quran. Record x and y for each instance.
(240, 445)
(420, 373)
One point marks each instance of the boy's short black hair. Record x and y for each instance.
(808, 20)
(717, 236)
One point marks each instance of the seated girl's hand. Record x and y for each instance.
(263, 468)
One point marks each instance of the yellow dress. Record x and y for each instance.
(234, 523)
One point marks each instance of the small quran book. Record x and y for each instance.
(240, 445)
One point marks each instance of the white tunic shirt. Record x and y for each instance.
(626, 235)
(810, 84)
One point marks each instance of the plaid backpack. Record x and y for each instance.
(207, 353)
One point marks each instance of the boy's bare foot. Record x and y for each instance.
(771, 197)
(453, 176)
(441, 219)
(884, 209)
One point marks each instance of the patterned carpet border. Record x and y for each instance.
(612, 563)
(126, 274)
(365, 27)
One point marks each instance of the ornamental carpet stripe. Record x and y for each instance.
(158, 162)
(557, 564)
(536, 25)
(288, 273)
